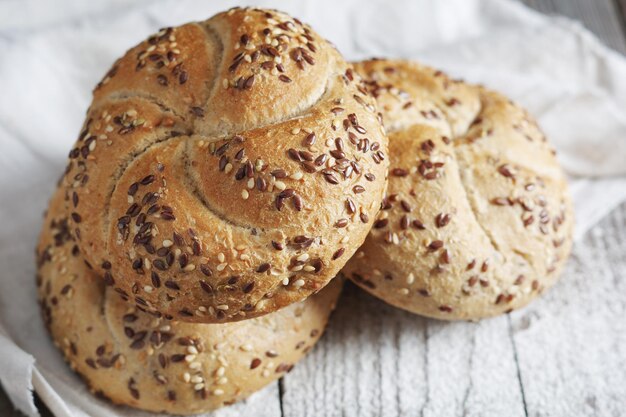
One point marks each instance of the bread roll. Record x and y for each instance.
(139, 359)
(477, 220)
(226, 168)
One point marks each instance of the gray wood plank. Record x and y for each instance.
(6, 408)
(571, 343)
(600, 16)
(621, 9)
(377, 360)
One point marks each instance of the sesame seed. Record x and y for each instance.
(245, 194)
(298, 283)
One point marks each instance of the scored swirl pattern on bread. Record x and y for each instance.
(138, 359)
(477, 219)
(226, 168)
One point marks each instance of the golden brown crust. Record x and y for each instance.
(227, 168)
(137, 359)
(477, 219)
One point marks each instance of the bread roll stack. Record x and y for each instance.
(226, 172)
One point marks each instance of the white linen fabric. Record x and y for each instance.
(53, 53)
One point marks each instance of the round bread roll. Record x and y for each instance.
(139, 359)
(477, 220)
(226, 168)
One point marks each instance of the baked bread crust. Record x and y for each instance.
(226, 168)
(138, 359)
(477, 220)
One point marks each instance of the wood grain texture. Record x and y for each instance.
(621, 8)
(572, 343)
(600, 16)
(6, 408)
(377, 360)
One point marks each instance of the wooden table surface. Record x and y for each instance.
(522, 390)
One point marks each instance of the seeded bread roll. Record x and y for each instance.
(477, 219)
(144, 361)
(226, 168)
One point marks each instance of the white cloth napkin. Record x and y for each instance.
(53, 53)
